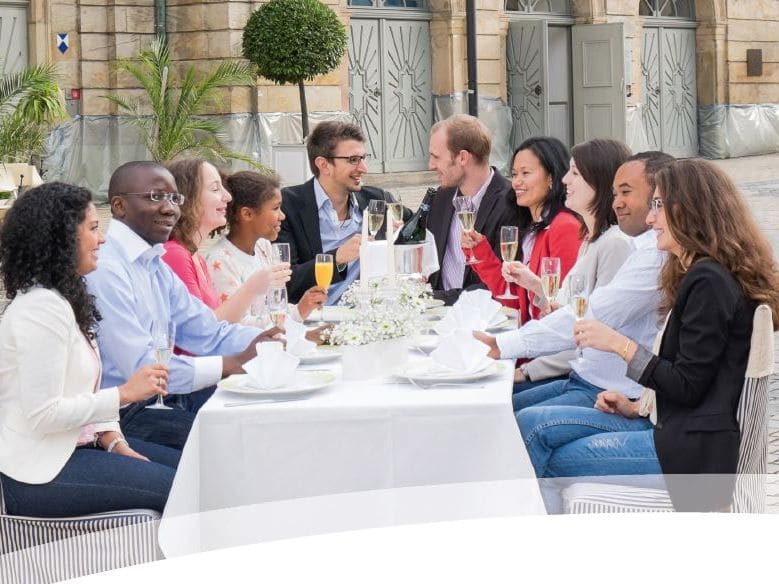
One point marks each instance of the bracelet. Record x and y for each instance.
(114, 443)
(625, 350)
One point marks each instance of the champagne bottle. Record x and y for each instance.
(413, 231)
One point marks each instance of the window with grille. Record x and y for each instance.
(388, 3)
(667, 8)
(539, 6)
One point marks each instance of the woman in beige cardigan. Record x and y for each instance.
(61, 450)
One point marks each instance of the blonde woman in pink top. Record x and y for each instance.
(204, 210)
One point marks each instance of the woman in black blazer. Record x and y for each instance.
(719, 269)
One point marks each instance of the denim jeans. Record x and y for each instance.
(523, 385)
(568, 391)
(167, 427)
(94, 481)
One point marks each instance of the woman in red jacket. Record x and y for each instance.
(546, 227)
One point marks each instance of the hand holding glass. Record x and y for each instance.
(509, 243)
(578, 297)
(163, 337)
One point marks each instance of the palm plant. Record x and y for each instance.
(174, 128)
(30, 104)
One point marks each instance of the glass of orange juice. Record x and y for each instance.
(323, 271)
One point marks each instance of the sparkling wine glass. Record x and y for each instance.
(276, 299)
(550, 278)
(578, 297)
(466, 214)
(509, 242)
(280, 253)
(323, 271)
(163, 338)
(376, 211)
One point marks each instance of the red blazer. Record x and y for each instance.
(561, 238)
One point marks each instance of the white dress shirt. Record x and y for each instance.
(628, 304)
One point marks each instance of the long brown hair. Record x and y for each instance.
(186, 172)
(708, 218)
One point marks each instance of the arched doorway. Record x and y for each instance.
(538, 69)
(13, 36)
(668, 68)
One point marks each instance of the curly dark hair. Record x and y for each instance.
(248, 189)
(39, 247)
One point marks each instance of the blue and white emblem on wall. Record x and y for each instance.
(63, 42)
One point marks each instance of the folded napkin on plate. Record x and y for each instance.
(297, 343)
(272, 367)
(475, 310)
(460, 353)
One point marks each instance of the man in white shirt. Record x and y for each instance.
(460, 154)
(629, 304)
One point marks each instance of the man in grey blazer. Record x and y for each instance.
(459, 153)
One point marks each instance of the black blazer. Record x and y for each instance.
(698, 377)
(300, 229)
(497, 208)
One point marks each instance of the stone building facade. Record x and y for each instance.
(731, 104)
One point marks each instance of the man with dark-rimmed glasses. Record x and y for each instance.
(324, 215)
(135, 288)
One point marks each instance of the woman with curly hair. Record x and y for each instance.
(204, 210)
(546, 227)
(720, 267)
(254, 219)
(61, 449)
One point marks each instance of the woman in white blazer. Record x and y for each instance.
(61, 449)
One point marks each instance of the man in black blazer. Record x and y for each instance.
(459, 152)
(324, 215)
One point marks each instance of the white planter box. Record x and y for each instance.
(374, 359)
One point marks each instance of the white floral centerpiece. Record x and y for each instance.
(375, 338)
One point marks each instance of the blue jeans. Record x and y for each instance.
(166, 427)
(568, 391)
(94, 481)
(524, 385)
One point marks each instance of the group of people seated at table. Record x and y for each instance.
(654, 238)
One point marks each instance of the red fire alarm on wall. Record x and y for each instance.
(75, 93)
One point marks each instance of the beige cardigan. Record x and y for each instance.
(598, 261)
(48, 373)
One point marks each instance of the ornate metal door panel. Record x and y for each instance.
(650, 70)
(390, 90)
(670, 101)
(13, 38)
(408, 101)
(365, 101)
(526, 63)
(678, 94)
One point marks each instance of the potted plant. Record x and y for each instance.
(293, 41)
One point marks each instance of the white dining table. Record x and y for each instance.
(353, 455)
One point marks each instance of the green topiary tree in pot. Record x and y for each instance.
(292, 41)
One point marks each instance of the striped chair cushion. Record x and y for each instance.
(752, 415)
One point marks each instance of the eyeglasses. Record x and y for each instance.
(655, 205)
(353, 160)
(159, 197)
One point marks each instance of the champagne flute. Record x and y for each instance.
(550, 278)
(163, 337)
(466, 214)
(509, 243)
(376, 212)
(323, 271)
(276, 299)
(280, 253)
(578, 298)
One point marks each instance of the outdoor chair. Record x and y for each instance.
(39, 550)
(752, 415)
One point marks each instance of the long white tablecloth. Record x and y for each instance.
(357, 454)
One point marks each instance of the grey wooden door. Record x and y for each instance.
(526, 67)
(13, 38)
(390, 90)
(670, 100)
(598, 81)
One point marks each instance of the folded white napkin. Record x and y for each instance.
(297, 343)
(460, 353)
(272, 367)
(475, 310)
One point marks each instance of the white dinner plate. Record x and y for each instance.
(331, 314)
(428, 371)
(321, 354)
(500, 323)
(305, 382)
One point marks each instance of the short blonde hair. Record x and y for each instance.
(464, 132)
